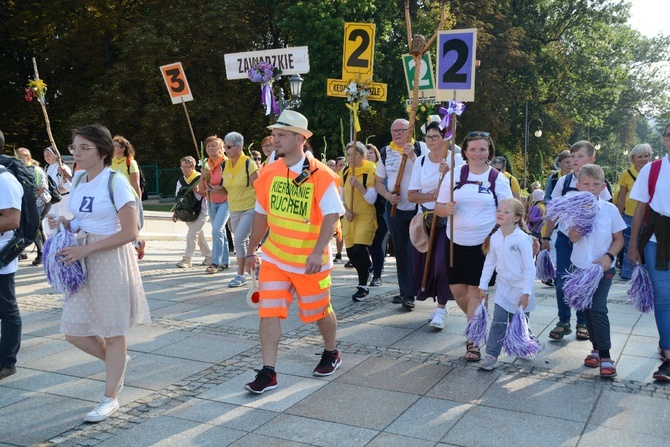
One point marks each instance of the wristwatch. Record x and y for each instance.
(611, 256)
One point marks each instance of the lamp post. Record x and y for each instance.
(295, 83)
(538, 134)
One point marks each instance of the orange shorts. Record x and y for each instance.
(276, 288)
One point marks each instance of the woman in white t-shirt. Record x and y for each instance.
(652, 192)
(97, 317)
(423, 189)
(473, 211)
(59, 173)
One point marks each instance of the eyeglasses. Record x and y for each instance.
(257, 158)
(478, 134)
(398, 131)
(433, 137)
(83, 148)
(230, 147)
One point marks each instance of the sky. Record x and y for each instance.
(649, 17)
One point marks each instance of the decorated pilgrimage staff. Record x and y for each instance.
(387, 173)
(360, 222)
(96, 318)
(298, 200)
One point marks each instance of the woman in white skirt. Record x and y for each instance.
(96, 318)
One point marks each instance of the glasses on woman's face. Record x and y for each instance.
(257, 158)
(433, 137)
(229, 146)
(82, 148)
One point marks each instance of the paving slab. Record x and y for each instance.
(354, 405)
(435, 416)
(464, 385)
(607, 436)
(632, 413)
(222, 414)
(206, 348)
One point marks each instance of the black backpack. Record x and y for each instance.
(143, 180)
(30, 218)
(53, 188)
(188, 206)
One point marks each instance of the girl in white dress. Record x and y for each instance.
(96, 318)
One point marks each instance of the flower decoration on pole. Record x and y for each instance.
(357, 99)
(37, 89)
(265, 74)
(422, 113)
(453, 108)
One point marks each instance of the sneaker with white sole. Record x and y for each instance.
(105, 409)
(330, 361)
(237, 281)
(489, 363)
(123, 374)
(184, 264)
(438, 318)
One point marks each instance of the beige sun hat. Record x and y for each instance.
(417, 233)
(292, 121)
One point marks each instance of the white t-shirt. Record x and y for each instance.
(12, 193)
(475, 213)
(426, 178)
(390, 173)
(92, 206)
(512, 257)
(595, 245)
(661, 201)
(52, 171)
(558, 192)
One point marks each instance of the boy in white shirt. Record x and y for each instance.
(599, 247)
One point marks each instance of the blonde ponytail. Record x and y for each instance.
(487, 242)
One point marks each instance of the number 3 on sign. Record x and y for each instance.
(176, 83)
(456, 55)
(359, 46)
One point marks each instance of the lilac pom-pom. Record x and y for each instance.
(518, 341)
(544, 268)
(476, 331)
(641, 292)
(581, 285)
(577, 210)
(66, 279)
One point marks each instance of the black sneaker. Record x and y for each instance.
(338, 257)
(361, 294)
(328, 364)
(349, 265)
(23, 256)
(663, 373)
(376, 282)
(397, 299)
(265, 380)
(408, 302)
(549, 282)
(38, 260)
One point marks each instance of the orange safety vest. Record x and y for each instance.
(293, 212)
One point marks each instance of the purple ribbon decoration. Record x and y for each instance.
(268, 99)
(453, 107)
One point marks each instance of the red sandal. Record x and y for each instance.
(592, 360)
(607, 368)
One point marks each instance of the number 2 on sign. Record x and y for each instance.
(355, 59)
(358, 56)
(424, 81)
(462, 51)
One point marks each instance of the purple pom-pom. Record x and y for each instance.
(518, 341)
(477, 329)
(641, 292)
(66, 279)
(544, 268)
(581, 285)
(577, 210)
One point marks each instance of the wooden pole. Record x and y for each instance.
(188, 119)
(44, 112)
(352, 168)
(451, 186)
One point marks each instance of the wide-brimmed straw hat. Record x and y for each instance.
(293, 122)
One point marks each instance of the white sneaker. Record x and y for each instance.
(438, 318)
(123, 374)
(489, 363)
(104, 409)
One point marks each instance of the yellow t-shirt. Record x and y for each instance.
(241, 197)
(513, 182)
(119, 165)
(627, 180)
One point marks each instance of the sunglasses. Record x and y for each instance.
(478, 133)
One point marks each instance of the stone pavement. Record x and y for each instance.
(401, 382)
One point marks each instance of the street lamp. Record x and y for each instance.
(596, 145)
(295, 83)
(538, 134)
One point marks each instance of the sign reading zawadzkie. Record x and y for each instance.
(293, 60)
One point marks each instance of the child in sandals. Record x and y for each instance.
(599, 247)
(509, 251)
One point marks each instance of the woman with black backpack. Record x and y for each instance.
(191, 208)
(42, 196)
